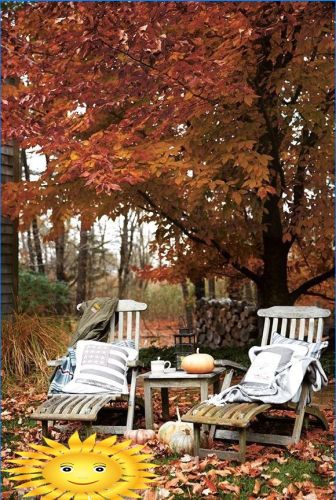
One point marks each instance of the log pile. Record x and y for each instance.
(225, 323)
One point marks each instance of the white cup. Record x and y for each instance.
(160, 366)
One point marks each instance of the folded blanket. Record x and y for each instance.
(63, 373)
(275, 376)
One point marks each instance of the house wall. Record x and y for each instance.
(10, 171)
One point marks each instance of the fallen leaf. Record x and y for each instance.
(163, 493)
(181, 477)
(172, 483)
(210, 485)
(274, 482)
(150, 495)
(257, 487)
(197, 489)
(226, 486)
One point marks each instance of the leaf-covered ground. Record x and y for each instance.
(305, 471)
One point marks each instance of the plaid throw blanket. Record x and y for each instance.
(64, 373)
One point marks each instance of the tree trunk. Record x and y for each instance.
(38, 247)
(187, 305)
(82, 265)
(273, 286)
(212, 288)
(32, 264)
(199, 285)
(126, 251)
(60, 251)
(36, 232)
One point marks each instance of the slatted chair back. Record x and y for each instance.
(300, 323)
(128, 324)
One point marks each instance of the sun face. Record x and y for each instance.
(84, 470)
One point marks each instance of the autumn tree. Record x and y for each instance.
(216, 119)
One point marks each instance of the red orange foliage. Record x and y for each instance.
(214, 118)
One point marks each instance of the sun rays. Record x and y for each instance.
(85, 470)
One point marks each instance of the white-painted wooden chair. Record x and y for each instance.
(85, 408)
(300, 323)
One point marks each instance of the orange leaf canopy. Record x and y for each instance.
(216, 117)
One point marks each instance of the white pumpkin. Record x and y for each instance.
(182, 442)
(140, 436)
(198, 363)
(169, 428)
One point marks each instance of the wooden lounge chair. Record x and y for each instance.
(85, 407)
(301, 323)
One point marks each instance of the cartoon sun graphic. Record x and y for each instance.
(86, 470)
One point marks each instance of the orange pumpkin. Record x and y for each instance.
(140, 436)
(198, 363)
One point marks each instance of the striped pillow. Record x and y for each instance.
(129, 345)
(124, 343)
(314, 348)
(101, 365)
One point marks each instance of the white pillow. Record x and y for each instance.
(129, 345)
(100, 368)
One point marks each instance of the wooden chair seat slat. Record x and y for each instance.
(230, 415)
(72, 407)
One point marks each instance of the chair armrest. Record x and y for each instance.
(230, 364)
(55, 362)
(131, 364)
(135, 363)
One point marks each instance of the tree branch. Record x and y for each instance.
(144, 64)
(317, 294)
(197, 239)
(302, 289)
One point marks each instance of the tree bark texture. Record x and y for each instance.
(82, 265)
(187, 305)
(35, 228)
(199, 285)
(60, 253)
(126, 251)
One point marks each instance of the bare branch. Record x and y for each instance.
(312, 282)
(197, 239)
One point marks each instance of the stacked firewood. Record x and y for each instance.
(225, 322)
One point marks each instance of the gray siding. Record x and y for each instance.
(10, 171)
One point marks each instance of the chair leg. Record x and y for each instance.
(300, 414)
(131, 401)
(242, 444)
(88, 429)
(45, 430)
(197, 439)
(226, 384)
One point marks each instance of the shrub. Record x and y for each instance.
(27, 343)
(39, 295)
